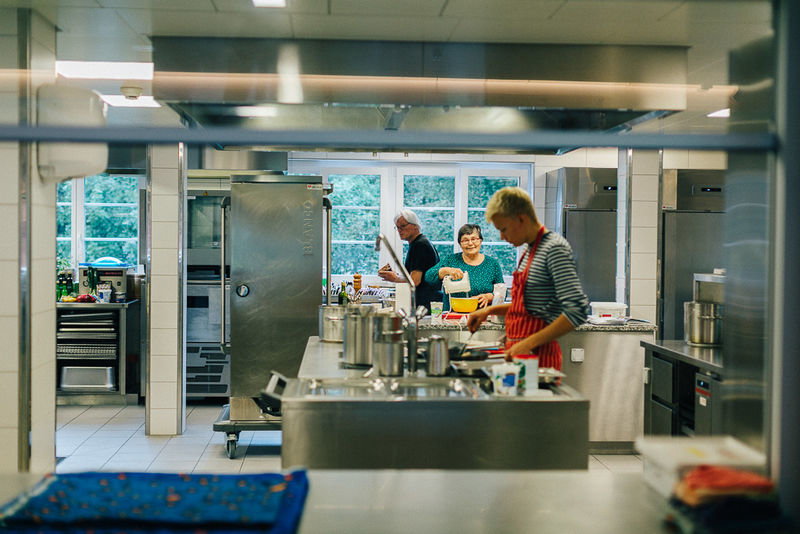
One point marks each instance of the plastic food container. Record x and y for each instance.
(666, 459)
(608, 309)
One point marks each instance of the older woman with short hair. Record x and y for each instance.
(483, 270)
(547, 300)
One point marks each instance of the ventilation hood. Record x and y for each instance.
(275, 84)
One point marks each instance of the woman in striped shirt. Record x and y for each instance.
(547, 300)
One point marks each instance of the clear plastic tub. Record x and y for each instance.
(608, 309)
(666, 459)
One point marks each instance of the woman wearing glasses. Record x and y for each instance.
(483, 271)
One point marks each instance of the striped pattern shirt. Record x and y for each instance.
(553, 286)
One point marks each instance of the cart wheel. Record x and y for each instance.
(230, 444)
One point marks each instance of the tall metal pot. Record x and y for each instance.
(331, 322)
(358, 338)
(702, 323)
(388, 337)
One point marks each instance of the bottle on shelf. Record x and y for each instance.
(344, 298)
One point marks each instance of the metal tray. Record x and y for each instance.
(87, 378)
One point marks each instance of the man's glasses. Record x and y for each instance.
(403, 226)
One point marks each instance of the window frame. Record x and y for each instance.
(392, 201)
(78, 216)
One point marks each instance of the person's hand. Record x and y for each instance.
(520, 347)
(453, 272)
(485, 299)
(388, 275)
(476, 318)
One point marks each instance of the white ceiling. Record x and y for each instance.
(119, 30)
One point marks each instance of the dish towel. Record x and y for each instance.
(159, 502)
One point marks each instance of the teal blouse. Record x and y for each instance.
(482, 278)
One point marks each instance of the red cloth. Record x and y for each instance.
(521, 324)
(718, 477)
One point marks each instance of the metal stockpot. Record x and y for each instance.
(331, 322)
(702, 323)
(438, 362)
(388, 343)
(358, 339)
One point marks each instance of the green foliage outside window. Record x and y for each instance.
(355, 222)
(110, 210)
(429, 191)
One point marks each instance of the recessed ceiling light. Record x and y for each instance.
(120, 101)
(720, 113)
(269, 3)
(105, 70)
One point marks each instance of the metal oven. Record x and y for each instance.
(207, 363)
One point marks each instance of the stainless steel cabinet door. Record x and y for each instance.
(276, 279)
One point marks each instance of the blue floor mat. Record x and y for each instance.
(159, 502)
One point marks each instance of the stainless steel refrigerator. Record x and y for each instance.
(585, 214)
(276, 246)
(692, 226)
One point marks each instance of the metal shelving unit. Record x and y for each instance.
(91, 350)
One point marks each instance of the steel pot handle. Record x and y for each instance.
(333, 318)
(392, 332)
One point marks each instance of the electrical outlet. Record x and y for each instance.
(576, 355)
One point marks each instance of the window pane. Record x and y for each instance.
(429, 191)
(64, 252)
(437, 225)
(481, 188)
(349, 259)
(115, 189)
(63, 221)
(111, 221)
(64, 191)
(489, 232)
(354, 224)
(355, 189)
(505, 254)
(126, 251)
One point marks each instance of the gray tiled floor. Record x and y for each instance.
(112, 438)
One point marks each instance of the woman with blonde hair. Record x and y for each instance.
(547, 300)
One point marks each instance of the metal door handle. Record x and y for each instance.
(646, 375)
(222, 249)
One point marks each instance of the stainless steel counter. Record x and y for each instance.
(345, 423)
(463, 502)
(460, 502)
(429, 324)
(706, 358)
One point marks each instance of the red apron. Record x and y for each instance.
(521, 324)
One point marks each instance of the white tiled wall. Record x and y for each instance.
(42, 262)
(165, 398)
(644, 181)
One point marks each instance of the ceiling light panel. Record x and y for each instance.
(120, 101)
(105, 70)
(269, 3)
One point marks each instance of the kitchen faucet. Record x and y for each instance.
(412, 316)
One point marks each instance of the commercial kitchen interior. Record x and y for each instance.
(740, 55)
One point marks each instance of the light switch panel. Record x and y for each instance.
(576, 355)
